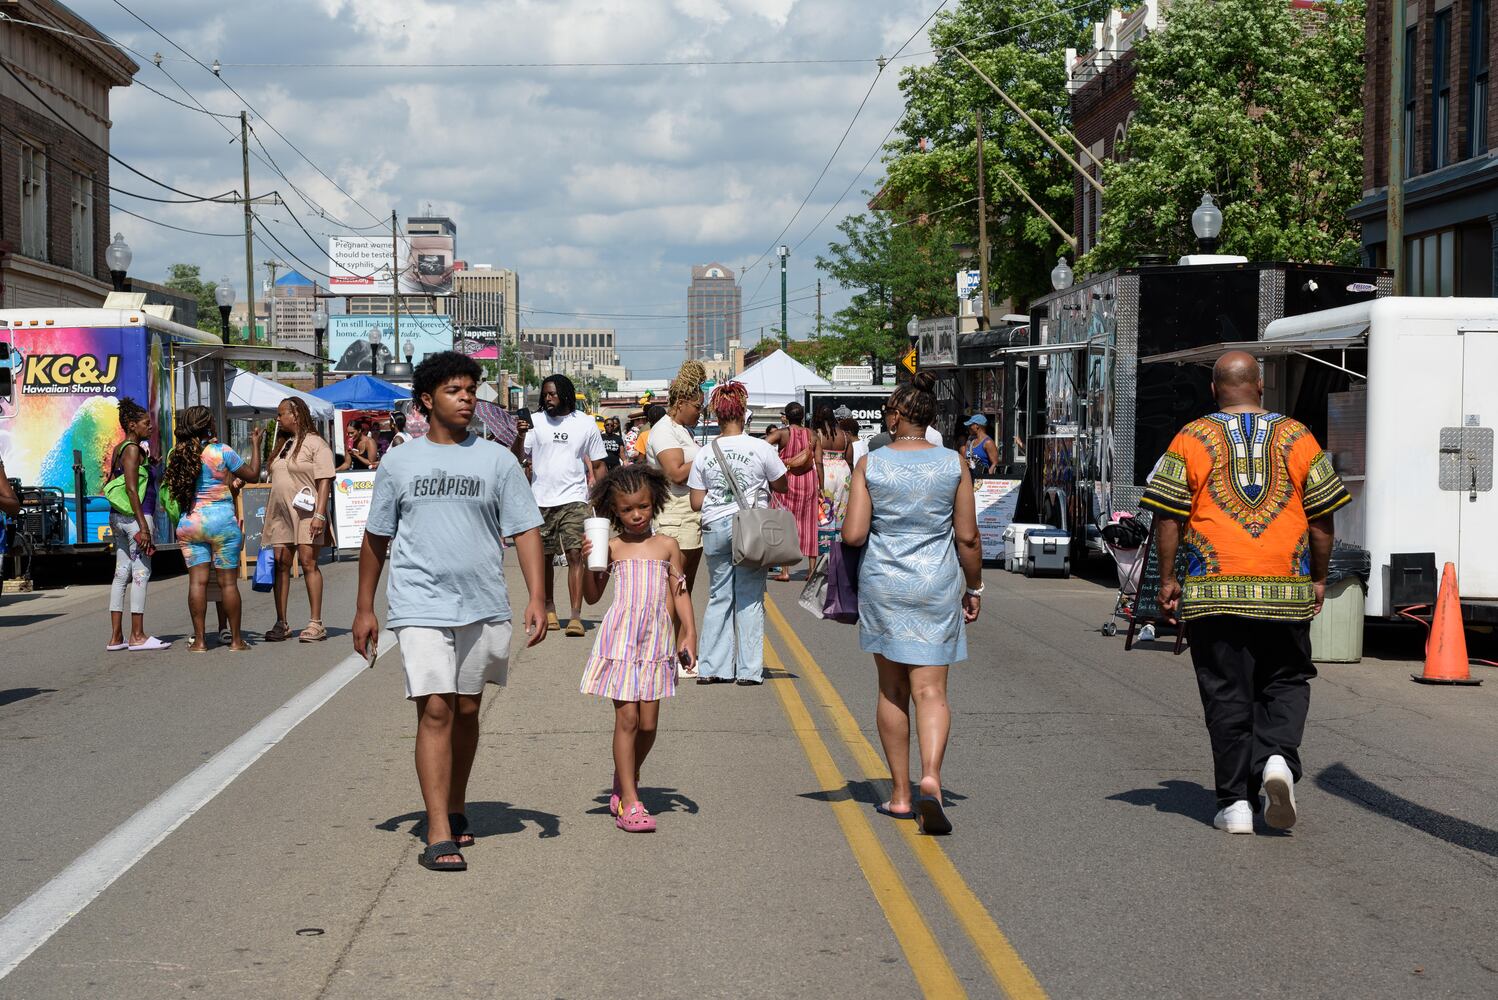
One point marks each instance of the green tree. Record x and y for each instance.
(1259, 104)
(895, 272)
(1020, 45)
(188, 279)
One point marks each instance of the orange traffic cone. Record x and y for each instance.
(1446, 649)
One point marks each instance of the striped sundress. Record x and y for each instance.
(635, 656)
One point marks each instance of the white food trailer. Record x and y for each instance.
(1412, 435)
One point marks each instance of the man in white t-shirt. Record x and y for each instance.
(563, 450)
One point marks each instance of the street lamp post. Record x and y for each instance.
(374, 350)
(1206, 222)
(117, 257)
(223, 294)
(785, 336)
(319, 332)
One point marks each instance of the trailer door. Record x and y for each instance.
(1467, 465)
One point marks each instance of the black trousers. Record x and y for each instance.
(1254, 679)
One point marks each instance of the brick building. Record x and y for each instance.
(1101, 85)
(54, 156)
(1450, 162)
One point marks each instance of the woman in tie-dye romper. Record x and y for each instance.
(200, 475)
(645, 633)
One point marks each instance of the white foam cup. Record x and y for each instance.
(596, 529)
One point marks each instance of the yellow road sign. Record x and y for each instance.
(909, 360)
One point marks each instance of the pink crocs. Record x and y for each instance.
(634, 819)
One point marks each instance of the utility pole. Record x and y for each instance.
(785, 334)
(819, 308)
(395, 281)
(982, 228)
(249, 231)
(1394, 227)
(270, 309)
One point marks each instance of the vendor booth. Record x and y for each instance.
(362, 392)
(777, 380)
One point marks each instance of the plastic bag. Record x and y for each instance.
(1346, 561)
(814, 594)
(265, 570)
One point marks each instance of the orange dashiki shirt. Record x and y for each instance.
(1247, 485)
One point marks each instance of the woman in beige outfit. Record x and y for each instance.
(296, 516)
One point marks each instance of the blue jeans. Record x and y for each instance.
(732, 641)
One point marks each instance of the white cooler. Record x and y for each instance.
(1014, 545)
(1047, 550)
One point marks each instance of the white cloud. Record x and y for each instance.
(602, 186)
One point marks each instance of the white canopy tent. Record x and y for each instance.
(776, 380)
(251, 396)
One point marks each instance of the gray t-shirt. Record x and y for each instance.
(447, 506)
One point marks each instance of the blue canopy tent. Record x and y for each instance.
(362, 392)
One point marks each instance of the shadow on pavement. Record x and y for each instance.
(13, 695)
(486, 819)
(1346, 784)
(1183, 798)
(655, 800)
(870, 793)
(16, 621)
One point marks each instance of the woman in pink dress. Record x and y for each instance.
(796, 451)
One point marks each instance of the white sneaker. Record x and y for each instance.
(1279, 789)
(1236, 818)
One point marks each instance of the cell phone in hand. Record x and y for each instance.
(372, 651)
(685, 658)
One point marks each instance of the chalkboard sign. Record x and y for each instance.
(253, 499)
(1147, 601)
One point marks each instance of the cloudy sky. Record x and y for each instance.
(601, 186)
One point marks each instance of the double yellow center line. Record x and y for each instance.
(933, 971)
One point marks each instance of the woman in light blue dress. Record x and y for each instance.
(911, 504)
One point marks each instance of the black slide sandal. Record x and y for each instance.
(933, 819)
(429, 857)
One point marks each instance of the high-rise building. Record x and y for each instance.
(485, 303)
(576, 352)
(714, 302)
(293, 300)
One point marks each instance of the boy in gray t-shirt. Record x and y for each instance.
(441, 507)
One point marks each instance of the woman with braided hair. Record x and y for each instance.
(200, 476)
(671, 448)
(732, 646)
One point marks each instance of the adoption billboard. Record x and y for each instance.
(353, 341)
(361, 265)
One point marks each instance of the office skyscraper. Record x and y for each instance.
(714, 301)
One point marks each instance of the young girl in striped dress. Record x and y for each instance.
(645, 633)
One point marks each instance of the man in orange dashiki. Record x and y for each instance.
(1249, 495)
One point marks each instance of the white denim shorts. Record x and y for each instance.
(459, 659)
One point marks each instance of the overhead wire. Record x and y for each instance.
(243, 100)
(168, 225)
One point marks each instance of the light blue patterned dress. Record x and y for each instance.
(910, 584)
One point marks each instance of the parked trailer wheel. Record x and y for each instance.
(1066, 570)
(1029, 567)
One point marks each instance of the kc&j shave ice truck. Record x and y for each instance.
(62, 374)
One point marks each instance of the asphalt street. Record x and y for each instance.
(189, 825)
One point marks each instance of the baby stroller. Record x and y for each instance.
(1127, 540)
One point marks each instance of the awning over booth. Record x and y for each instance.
(251, 395)
(1340, 329)
(245, 352)
(362, 392)
(778, 379)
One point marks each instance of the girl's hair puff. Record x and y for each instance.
(730, 402)
(630, 479)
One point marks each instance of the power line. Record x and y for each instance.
(58, 115)
(251, 107)
(168, 225)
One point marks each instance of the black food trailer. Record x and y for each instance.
(1099, 419)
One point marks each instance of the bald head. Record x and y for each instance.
(1236, 379)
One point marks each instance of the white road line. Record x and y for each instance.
(45, 912)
